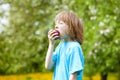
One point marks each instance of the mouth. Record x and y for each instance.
(57, 32)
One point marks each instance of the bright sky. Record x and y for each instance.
(3, 19)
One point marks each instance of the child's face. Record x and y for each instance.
(62, 28)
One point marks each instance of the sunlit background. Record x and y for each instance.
(23, 37)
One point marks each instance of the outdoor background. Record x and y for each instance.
(23, 37)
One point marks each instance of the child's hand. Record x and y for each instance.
(53, 35)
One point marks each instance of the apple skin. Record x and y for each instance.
(56, 31)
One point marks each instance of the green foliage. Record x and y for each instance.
(24, 42)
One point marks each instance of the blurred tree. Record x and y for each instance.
(25, 40)
(102, 37)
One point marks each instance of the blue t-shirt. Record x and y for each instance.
(68, 58)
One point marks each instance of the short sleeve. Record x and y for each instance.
(54, 57)
(56, 53)
(76, 60)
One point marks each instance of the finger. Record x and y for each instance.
(50, 31)
(56, 37)
(54, 34)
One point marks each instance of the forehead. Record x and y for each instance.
(57, 21)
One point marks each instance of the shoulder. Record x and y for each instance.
(74, 47)
(75, 44)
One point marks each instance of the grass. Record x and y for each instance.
(48, 76)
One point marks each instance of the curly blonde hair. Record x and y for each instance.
(75, 26)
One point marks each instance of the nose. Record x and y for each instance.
(56, 27)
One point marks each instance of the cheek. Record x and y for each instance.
(66, 29)
(63, 29)
(63, 32)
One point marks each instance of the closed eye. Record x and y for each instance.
(60, 22)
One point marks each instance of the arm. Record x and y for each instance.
(48, 61)
(73, 76)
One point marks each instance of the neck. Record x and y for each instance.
(66, 39)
